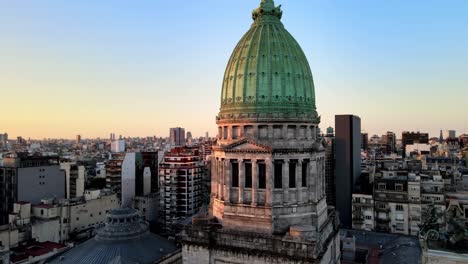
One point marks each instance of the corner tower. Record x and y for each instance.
(268, 164)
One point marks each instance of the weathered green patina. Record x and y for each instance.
(268, 73)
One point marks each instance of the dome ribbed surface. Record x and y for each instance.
(124, 239)
(268, 73)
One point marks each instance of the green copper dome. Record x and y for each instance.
(268, 73)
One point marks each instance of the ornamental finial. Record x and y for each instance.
(267, 8)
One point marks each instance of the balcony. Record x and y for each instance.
(358, 220)
(382, 228)
(363, 204)
(385, 220)
(382, 209)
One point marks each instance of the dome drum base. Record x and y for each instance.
(224, 118)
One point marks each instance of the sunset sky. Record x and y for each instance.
(137, 68)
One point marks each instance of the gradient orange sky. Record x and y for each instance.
(137, 69)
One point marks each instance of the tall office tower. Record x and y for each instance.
(441, 137)
(150, 161)
(330, 167)
(30, 179)
(450, 134)
(207, 136)
(75, 179)
(118, 146)
(348, 163)
(205, 150)
(114, 173)
(409, 138)
(20, 141)
(189, 138)
(3, 140)
(177, 136)
(132, 174)
(181, 177)
(391, 142)
(268, 164)
(78, 139)
(364, 141)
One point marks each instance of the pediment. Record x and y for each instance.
(246, 145)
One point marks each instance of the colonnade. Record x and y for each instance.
(308, 184)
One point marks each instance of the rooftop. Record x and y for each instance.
(388, 248)
(124, 239)
(34, 249)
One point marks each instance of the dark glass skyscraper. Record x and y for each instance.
(348, 163)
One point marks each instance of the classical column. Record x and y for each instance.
(324, 181)
(313, 180)
(298, 181)
(269, 182)
(270, 132)
(285, 131)
(227, 186)
(219, 172)
(222, 178)
(254, 182)
(314, 132)
(286, 181)
(214, 179)
(319, 174)
(229, 133)
(241, 181)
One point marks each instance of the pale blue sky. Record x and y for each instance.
(139, 67)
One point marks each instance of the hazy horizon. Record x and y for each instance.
(137, 69)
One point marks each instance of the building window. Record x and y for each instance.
(368, 217)
(262, 176)
(304, 174)
(357, 200)
(399, 187)
(399, 217)
(400, 227)
(248, 175)
(399, 207)
(382, 187)
(278, 175)
(235, 174)
(42, 212)
(225, 132)
(292, 175)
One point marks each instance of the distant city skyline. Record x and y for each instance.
(137, 69)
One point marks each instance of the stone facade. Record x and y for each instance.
(211, 244)
(268, 196)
